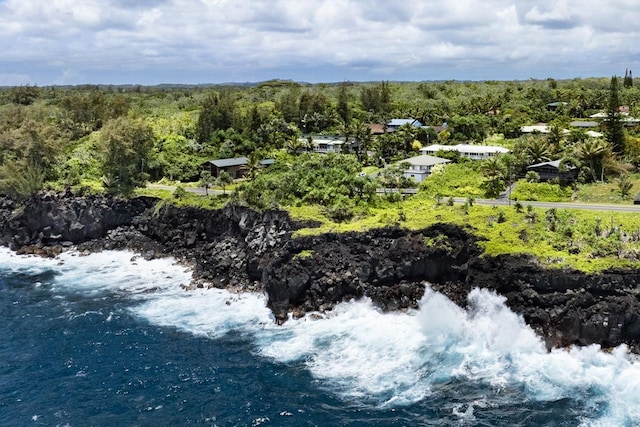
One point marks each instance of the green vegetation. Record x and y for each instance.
(115, 139)
(541, 191)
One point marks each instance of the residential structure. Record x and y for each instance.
(470, 151)
(395, 124)
(420, 166)
(237, 167)
(624, 117)
(584, 124)
(326, 144)
(553, 106)
(539, 128)
(548, 171)
(377, 128)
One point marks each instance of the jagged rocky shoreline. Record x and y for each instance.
(239, 248)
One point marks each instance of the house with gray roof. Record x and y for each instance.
(419, 167)
(548, 171)
(582, 124)
(237, 167)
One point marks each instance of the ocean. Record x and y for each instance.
(110, 339)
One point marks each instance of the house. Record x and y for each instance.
(624, 118)
(553, 106)
(420, 166)
(623, 110)
(584, 124)
(395, 124)
(470, 151)
(594, 134)
(539, 128)
(377, 128)
(237, 167)
(548, 171)
(325, 144)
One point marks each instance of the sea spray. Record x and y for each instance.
(469, 364)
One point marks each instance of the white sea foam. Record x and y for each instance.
(100, 272)
(359, 353)
(210, 312)
(400, 358)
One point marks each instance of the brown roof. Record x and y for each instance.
(376, 128)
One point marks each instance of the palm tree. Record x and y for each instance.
(537, 150)
(594, 154)
(253, 164)
(364, 137)
(293, 144)
(406, 134)
(495, 171)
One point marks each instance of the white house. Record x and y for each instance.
(420, 166)
(324, 144)
(541, 128)
(470, 151)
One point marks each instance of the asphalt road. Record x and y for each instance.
(196, 190)
(558, 205)
(491, 202)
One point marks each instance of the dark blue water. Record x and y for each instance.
(69, 356)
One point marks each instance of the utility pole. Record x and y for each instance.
(509, 189)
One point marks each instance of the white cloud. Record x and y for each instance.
(9, 79)
(234, 40)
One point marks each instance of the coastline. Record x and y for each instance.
(238, 248)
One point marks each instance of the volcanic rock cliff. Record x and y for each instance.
(240, 248)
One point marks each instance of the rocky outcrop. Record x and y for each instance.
(52, 219)
(239, 248)
(566, 307)
(388, 265)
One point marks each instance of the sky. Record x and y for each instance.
(148, 42)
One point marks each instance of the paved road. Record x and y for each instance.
(195, 190)
(491, 202)
(558, 205)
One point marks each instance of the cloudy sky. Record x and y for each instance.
(48, 42)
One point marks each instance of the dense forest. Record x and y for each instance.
(119, 137)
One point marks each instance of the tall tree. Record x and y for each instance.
(125, 147)
(496, 174)
(594, 154)
(217, 112)
(613, 126)
(628, 79)
(343, 108)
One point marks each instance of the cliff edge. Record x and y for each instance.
(240, 248)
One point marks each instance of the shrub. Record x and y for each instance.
(543, 191)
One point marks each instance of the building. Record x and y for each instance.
(237, 167)
(420, 166)
(395, 124)
(377, 128)
(554, 106)
(584, 124)
(539, 128)
(469, 151)
(325, 144)
(548, 171)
